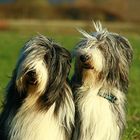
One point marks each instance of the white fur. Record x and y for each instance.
(36, 126)
(98, 59)
(32, 124)
(99, 122)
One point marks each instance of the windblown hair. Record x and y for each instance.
(39, 103)
(100, 82)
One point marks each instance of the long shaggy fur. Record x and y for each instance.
(100, 84)
(39, 103)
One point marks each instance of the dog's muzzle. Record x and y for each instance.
(86, 61)
(84, 58)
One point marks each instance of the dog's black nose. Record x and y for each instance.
(84, 58)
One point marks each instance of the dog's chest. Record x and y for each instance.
(97, 119)
(30, 125)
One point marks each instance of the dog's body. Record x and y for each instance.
(99, 83)
(39, 103)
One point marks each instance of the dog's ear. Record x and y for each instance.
(122, 60)
(125, 61)
(58, 77)
(126, 47)
(63, 62)
(66, 62)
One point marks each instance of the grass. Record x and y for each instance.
(11, 43)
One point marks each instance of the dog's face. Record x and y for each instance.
(106, 54)
(42, 65)
(89, 56)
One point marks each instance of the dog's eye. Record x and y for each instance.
(31, 77)
(31, 73)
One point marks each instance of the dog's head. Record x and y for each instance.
(42, 69)
(108, 55)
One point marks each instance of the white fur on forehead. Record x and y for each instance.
(98, 59)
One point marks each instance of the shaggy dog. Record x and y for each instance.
(39, 103)
(100, 82)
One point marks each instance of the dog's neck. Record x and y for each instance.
(86, 78)
(97, 101)
(90, 80)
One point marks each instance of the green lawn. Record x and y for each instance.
(11, 42)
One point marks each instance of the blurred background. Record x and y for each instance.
(58, 19)
(31, 13)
